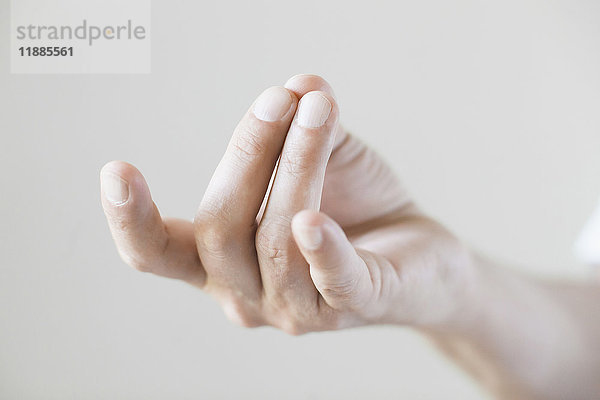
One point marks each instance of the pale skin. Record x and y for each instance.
(306, 229)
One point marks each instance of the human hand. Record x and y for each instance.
(267, 254)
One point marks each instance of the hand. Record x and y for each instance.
(266, 252)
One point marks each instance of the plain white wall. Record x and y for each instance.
(490, 111)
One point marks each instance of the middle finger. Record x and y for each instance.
(298, 185)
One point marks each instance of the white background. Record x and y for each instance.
(488, 110)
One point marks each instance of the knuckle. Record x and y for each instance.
(342, 290)
(293, 327)
(296, 323)
(278, 259)
(273, 241)
(136, 262)
(275, 255)
(248, 143)
(297, 163)
(294, 318)
(346, 291)
(240, 314)
(212, 233)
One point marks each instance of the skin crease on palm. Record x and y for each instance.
(304, 228)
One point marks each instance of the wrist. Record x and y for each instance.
(465, 299)
(438, 293)
(520, 328)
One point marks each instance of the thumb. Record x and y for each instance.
(338, 272)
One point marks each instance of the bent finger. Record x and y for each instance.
(340, 275)
(144, 241)
(298, 185)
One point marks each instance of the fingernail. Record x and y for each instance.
(273, 104)
(314, 109)
(115, 189)
(310, 237)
